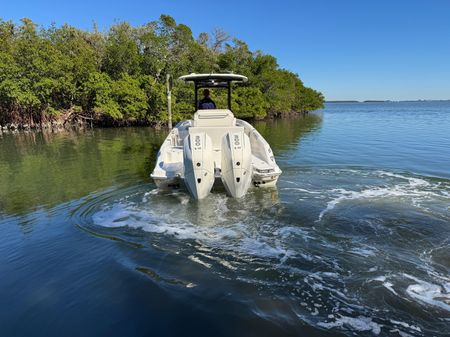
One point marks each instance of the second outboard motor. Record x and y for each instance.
(236, 163)
(198, 164)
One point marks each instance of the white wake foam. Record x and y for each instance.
(359, 323)
(413, 189)
(226, 233)
(437, 295)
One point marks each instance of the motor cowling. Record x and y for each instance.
(198, 164)
(236, 163)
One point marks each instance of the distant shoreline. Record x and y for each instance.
(389, 101)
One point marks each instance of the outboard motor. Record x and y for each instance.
(198, 164)
(236, 163)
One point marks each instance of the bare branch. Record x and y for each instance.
(219, 38)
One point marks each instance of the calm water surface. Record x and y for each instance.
(355, 240)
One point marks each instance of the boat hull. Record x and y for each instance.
(215, 149)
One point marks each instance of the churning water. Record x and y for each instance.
(355, 239)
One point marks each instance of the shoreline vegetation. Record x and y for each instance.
(59, 77)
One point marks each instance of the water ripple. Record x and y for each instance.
(356, 256)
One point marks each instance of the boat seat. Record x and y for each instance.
(214, 117)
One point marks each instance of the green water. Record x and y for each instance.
(45, 169)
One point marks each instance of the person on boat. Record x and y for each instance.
(206, 102)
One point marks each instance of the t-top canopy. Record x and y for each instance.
(213, 79)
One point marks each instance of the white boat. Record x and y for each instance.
(215, 147)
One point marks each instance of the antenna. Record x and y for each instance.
(169, 84)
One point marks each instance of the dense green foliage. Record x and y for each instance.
(119, 75)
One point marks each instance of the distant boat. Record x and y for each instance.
(215, 147)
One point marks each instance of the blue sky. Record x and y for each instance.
(347, 49)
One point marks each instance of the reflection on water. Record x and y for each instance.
(347, 244)
(45, 168)
(285, 134)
